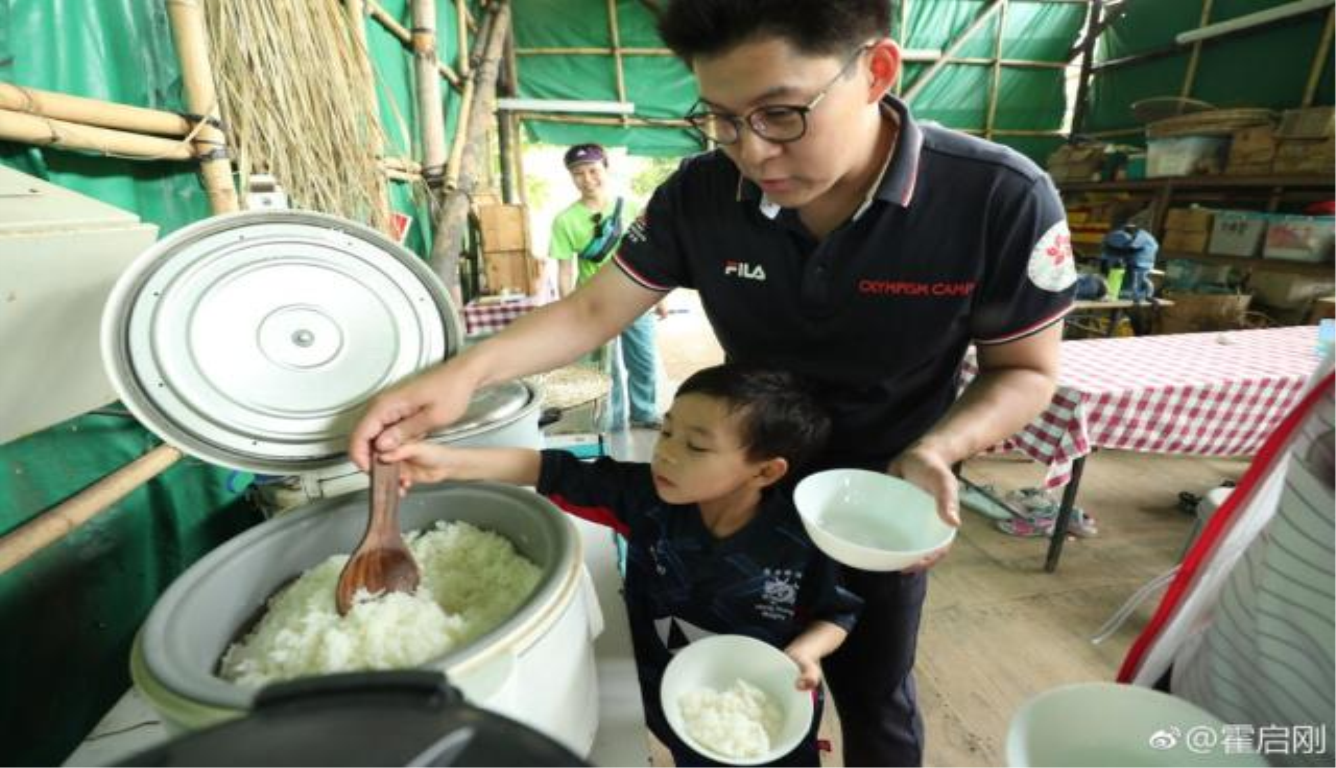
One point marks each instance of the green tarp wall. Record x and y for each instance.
(1268, 68)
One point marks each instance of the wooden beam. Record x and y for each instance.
(964, 37)
(920, 58)
(1320, 58)
(1194, 59)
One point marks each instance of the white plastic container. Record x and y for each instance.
(1300, 238)
(1186, 156)
(1238, 233)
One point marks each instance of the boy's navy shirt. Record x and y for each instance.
(767, 580)
(961, 241)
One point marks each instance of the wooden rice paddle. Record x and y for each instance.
(382, 562)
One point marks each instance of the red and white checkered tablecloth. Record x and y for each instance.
(483, 317)
(1203, 394)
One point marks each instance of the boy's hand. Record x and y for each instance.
(809, 666)
(422, 463)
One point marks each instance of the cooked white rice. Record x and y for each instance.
(472, 580)
(738, 722)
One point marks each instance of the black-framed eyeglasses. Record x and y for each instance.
(776, 123)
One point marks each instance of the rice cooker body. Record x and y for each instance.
(536, 667)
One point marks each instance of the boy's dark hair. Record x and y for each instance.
(693, 28)
(778, 412)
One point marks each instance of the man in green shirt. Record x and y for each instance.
(584, 235)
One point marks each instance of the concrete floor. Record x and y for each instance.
(997, 629)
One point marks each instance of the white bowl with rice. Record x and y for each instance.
(734, 699)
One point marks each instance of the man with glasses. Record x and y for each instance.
(833, 235)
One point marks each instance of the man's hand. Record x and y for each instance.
(408, 412)
(926, 468)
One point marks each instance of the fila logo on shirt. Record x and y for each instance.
(743, 269)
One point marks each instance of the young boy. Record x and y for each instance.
(714, 546)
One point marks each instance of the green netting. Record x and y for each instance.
(1266, 68)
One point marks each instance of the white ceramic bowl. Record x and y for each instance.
(1091, 724)
(717, 662)
(870, 520)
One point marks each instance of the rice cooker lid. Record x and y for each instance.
(492, 405)
(408, 717)
(254, 340)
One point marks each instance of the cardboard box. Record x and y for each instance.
(1300, 238)
(1308, 157)
(511, 271)
(503, 228)
(1309, 123)
(1189, 219)
(1185, 242)
(1250, 148)
(1238, 233)
(1076, 162)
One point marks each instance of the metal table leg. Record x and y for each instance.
(1064, 516)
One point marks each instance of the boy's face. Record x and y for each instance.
(699, 455)
(771, 72)
(588, 177)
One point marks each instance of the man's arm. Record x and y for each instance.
(1016, 381)
(542, 340)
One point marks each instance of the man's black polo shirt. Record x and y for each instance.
(962, 241)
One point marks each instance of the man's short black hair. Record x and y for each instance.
(778, 412)
(694, 28)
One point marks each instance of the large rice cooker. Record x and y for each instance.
(254, 341)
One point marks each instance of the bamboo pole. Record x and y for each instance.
(508, 128)
(356, 14)
(648, 122)
(104, 114)
(467, 103)
(393, 26)
(903, 39)
(1194, 58)
(591, 51)
(1093, 30)
(452, 216)
(462, 37)
(964, 37)
(918, 58)
(62, 134)
(431, 110)
(615, 37)
(996, 75)
(1320, 59)
(192, 47)
(31, 537)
